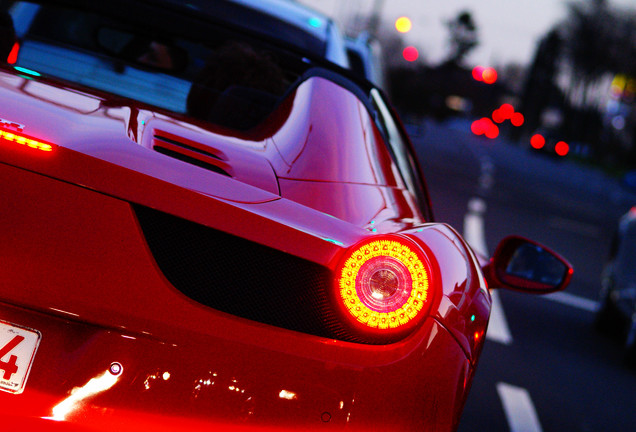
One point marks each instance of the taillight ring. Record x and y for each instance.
(383, 283)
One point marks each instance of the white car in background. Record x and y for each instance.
(617, 313)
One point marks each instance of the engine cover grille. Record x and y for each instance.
(242, 278)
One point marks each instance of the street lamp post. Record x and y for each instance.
(374, 20)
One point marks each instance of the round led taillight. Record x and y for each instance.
(383, 284)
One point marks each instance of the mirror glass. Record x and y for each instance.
(533, 263)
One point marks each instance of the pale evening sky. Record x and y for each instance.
(508, 29)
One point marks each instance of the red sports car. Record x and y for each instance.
(205, 224)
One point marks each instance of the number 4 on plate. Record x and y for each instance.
(9, 367)
(17, 350)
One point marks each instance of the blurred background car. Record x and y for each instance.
(365, 58)
(617, 312)
(285, 20)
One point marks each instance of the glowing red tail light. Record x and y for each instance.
(384, 284)
(20, 139)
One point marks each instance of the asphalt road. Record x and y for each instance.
(552, 371)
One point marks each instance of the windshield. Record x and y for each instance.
(208, 72)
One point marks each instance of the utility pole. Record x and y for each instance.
(374, 19)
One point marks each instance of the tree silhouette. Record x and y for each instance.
(540, 89)
(599, 43)
(463, 36)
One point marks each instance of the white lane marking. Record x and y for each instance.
(474, 226)
(498, 330)
(573, 301)
(518, 407)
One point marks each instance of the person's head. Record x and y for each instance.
(234, 64)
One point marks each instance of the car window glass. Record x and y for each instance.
(399, 149)
(215, 75)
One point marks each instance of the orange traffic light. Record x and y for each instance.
(403, 24)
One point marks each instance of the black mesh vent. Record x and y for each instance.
(194, 161)
(189, 154)
(242, 278)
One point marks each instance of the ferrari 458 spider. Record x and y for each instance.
(206, 224)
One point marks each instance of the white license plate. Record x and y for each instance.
(17, 351)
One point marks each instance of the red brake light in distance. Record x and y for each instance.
(537, 141)
(562, 148)
(17, 138)
(383, 284)
(486, 75)
(410, 53)
(486, 127)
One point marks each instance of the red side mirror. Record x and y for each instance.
(525, 265)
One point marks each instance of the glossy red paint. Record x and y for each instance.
(62, 213)
(117, 306)
(339, 153)
(150, 329)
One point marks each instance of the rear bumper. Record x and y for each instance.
(201, 381)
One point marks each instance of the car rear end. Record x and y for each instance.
(155, 274)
